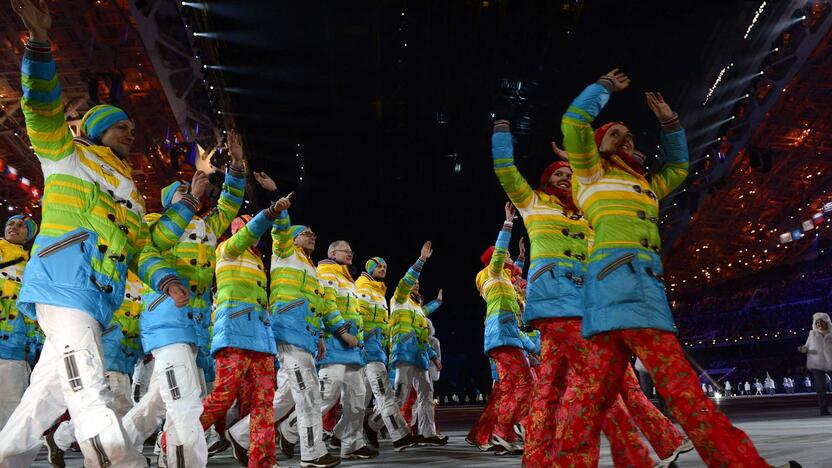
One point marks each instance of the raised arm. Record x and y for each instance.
(41, 103)
(233, 188)
(154, 271)
(674, 147)
(249, 234)
(495, 267)
(166, 229)
(405, 285)
(502, 153)
(578, 136)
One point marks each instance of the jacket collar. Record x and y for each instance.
(331, 266)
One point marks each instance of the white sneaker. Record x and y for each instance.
(684, 447)
(520, 431)
(513, 448)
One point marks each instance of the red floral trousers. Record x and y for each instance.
(657, 429)
(564, 359)
(718, 442)
(515, 385)
(248, 377)
(480, 433)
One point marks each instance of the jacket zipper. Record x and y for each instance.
(615, 264)
(245, 311)
(103, 460)
(111, 329)
(541, 271)
(60, 245)
(288, 306)
(156, 302)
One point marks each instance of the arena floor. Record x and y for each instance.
(782, 427)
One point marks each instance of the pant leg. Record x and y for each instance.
(72, 368)
(407, 409)
(657, 429)
(232, 365)
(180, 389)
(515, 386)
(482, 430)
(387, 411)
(352, 416)
(540, 430)
(625, 444)
(146, 415)
(299, 365)
(718, 442)
(119, 383)
(259, 395)
(596, 368)
(403, 384)
(330, 418)
(819, 378)
(424, 403)
(14, 378)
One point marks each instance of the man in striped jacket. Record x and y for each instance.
(92, 231)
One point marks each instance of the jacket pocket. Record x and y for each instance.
(626, 259)
(66, 262)
(541, 271)
(246, 311)
(64, 243)
(156, 302)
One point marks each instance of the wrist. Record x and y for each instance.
(38, 36)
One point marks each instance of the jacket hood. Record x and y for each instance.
(821, 316)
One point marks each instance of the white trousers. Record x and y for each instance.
(141, 379)
(14, 378)
(345, 382)
(387, 410)
(69, 375)
(408, 375)
(173, 394)
(119, 384)
(297, 385)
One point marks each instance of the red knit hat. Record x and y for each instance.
(551, 169)
(485, 258)
(602, 130)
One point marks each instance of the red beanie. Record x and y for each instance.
(551, 169)
(602, 130)
(485, 258)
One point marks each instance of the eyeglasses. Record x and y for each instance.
(348, 252)
(308, 234)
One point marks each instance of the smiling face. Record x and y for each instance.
(821, 325)
(341, 252)
(380, 271)
(561, 178)
(119, 138)
(16, 231)
(306, 240)
(618, 140)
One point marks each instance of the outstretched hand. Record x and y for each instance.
(509, 209)
(265, 181)
(427, 251)
(36, 18)
(199, 183)
(660, 108)
(619, 80)
(284, 203)
(522, 247)
(560, 152)
(235, 147)
(439, 296)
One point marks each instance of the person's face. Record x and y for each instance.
(380, 271)
(561, 178)
(306, 240)
(343, 254)
(180, 192)
(119, 138)
(618, 139)
(16, 231)
(415, 289)
(821, 324)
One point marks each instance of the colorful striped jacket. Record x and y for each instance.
(336, 280)
(372, 304)
(121, 338)
(92, 229)
(13, 258)
(558, 237)
(624, 287)
(408, 323)
(189, 242)
(502, 317)
(241, 318)
(299, 305)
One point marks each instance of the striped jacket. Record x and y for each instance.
(337, 278)
(300, 306)
(559, 240)
(372, 304)
(494, 284)
(13, 258)
(121, 338)
(625, 285)
(92, 229)
(189, 242)
(408, 323)
(241, 318)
